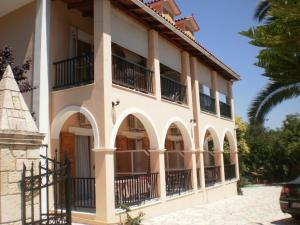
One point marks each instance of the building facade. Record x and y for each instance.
(144, 112)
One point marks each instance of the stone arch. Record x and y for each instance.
(215, 137)
(146, 121)
(68, 111)
(187, 139)
(230, 137)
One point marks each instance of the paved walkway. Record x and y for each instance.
(258, 206)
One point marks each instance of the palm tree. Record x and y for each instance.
(280, 57)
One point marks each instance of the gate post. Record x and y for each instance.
(20, 144)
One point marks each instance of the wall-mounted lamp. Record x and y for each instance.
(115, 103)
(193, 122)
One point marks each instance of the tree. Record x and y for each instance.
(20, 72)
(280, 55)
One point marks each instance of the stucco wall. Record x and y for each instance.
(17, 31)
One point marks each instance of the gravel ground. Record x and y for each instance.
(258, 206)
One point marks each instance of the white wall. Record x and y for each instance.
(129, 34)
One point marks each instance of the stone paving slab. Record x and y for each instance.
(258, 206)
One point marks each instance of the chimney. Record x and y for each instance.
(188, 25)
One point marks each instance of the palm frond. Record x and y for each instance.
(272, 95)
(262, 10)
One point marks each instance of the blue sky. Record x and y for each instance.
(220, 22)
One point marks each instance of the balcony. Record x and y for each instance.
(212, 175)
(73, 72)
(131, 75)
(229, 172)
(207, 103)
(172, 90)
(225, 110)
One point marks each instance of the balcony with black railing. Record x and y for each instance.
(178, 181)
(131, 75)
(212, 175)
(172, 90)
(135, 189)
(225, 110)
(74, 71)
(230, 173)
(207, 103)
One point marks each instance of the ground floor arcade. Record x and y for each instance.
(134, 173)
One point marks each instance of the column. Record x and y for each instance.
(104, 178)
(214, 90)
(190, 163)
(220, 162)
(186, 76)
(40, 96)
(104, 155)
(229, 98)
(202, 170)
(153, 61)
(157, 160)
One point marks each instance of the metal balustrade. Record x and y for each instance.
(83, 193)
(212, 175)
(135, 189)
(225, 110)
(131, 75)
(230, 172)
(198, 178)
(178, 181)
(75, 71)
(172, 90)
(207, 103)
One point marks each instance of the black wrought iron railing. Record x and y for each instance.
(212, 175)
(74, 71)
(172, 90)
(83, 193)
(230, 173)
(131, 75)
(207, 103)
(135, 189)
(225, 110)
(178, 181)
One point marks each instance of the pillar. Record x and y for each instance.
(157, 159)
(104, 179)
(214, 91)
(190, 163)
(229, 98)
(40, 97)
(153, 61)
(186, 76)
(219, 160)
(104, 154)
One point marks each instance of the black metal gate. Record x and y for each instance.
(46, 192)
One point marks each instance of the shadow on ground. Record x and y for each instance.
(287, 221)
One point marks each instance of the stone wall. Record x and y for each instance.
(20, 144)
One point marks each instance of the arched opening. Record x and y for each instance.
(229, 157)
(177, 162)
(76, 141)
(135, 182)
(212, 162)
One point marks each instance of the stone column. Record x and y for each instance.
(229, 98)
(153, 61)
(202, 170)
(20, 144)
(40, 98)
(186, 76)
(214, 90)
(157, 160)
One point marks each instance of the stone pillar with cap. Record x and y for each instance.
(20, 143)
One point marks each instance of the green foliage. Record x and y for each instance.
(274, 153)
(132, 220)
(278, 38)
